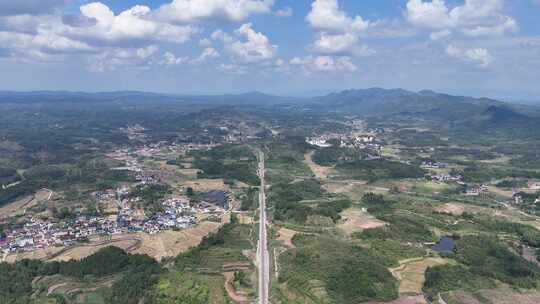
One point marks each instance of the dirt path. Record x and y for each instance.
(53, 288)
(231, 291)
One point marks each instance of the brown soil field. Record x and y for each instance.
(285, 236)
(172, 243)
(354, 220)
(405, 300)
(320, 172)
(206, 184)
(450, 208)
(79, 252)
(501, 192)
(190, 173)
(244, 218)
(41, 254)
(351, 188)
(411, 273)
(19, 206)
(501, 295)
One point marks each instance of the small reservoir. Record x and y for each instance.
(445, 244)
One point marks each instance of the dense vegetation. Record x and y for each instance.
(332, 155)
(137, 274)
(483, 259)
(228, 162)
(296, 201)
(372, 170)
(350, 274)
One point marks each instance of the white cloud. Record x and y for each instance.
(132, 24)
(337, 32)
(325, 63)
(96, 29)
(340, 44)
(284, 12)
(326, 15)
(187, 11)
(248, 46)
(473, 18)
(480, 56)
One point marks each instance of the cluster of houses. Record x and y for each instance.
(446, 177)
(476, 190)
(40, 234)
(352, 140)
(429, 164)
(177, 213)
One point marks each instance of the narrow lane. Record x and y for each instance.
(262, 249)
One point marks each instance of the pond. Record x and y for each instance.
(445, 244)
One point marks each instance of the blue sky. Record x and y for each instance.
(474, 47)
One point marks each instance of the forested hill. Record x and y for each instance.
(426, 104)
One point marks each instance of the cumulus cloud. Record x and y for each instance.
(473, 18)
(29, 7)
(326, 15)
(338, 33)
(132, 24)
(96, 31)
(247, 46)
(480, 56)
(186, 11)
(325, 63)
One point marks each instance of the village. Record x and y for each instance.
(358, 138)
(121, 211)
(178, 213)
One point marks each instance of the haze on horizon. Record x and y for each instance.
(474, 47)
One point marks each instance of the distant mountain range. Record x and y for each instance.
(373, 101)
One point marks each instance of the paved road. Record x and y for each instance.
(262, 249)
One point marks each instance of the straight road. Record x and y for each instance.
(262, 248)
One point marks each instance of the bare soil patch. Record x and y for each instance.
(285, 236)
(20, 206)
(172, 243)
(355, 220)
(501, 295)
(244, 219)
(190, 173)
(450, 209)
(411, 273)
(405, 300)
(206, 184)
(500, 192)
